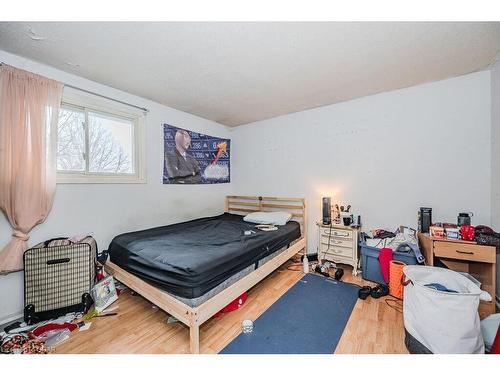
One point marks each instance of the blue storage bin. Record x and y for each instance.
(371, 266)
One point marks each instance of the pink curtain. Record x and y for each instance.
(29, 108)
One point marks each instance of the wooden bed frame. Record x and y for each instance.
(195, 316)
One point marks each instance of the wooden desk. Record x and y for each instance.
(464, 256)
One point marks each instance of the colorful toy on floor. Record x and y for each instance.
(234, 305)
(95, 314)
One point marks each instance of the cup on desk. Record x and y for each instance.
(347, 219)
(468, 232)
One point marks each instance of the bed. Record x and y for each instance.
(193, 269)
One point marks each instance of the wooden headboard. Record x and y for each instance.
(242, 205)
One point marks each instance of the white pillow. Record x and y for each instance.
(276, 218)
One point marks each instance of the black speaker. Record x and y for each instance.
(327, 211)
(425, 219)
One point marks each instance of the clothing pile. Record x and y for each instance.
(403, 240)
(486, 236)
(41, 338)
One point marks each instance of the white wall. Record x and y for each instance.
(495, 158)
(495, 146)
(110, 209)
(386, 154)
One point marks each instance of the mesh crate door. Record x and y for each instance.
(56, 277)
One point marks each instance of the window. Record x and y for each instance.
(96, 145)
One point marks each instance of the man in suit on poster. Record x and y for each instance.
(181, 167)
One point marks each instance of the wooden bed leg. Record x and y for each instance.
(194, 338)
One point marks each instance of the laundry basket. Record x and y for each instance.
(442, 322)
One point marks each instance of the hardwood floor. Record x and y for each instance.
(373, 327)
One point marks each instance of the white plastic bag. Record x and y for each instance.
(54, 337)
(444, 322)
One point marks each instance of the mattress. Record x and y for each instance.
(189, 259)
(197, 301)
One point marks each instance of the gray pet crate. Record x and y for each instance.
(58, 278)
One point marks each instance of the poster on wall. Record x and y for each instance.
(194, 158)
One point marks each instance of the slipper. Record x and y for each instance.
(364, 292)
(339, 273)
(379, 291)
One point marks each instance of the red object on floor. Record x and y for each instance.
(495, 348)
(51, 326)
(384, 259)
(235, 305)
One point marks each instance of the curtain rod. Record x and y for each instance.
(106, 97)
(99, 95)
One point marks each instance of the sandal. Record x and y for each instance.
(379, 291)
(364, 292)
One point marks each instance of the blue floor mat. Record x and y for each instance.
(309, 318)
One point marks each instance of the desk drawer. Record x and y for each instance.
(334, 232)
(471, 252)
(337, 258)
(335, 241)
(337, 251)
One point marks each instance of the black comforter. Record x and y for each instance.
(188, 259)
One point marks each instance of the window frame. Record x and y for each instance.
(105, 107)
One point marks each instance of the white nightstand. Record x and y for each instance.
(339, 244)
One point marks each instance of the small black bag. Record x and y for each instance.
(487, 236)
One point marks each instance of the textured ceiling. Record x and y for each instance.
(236, 73)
